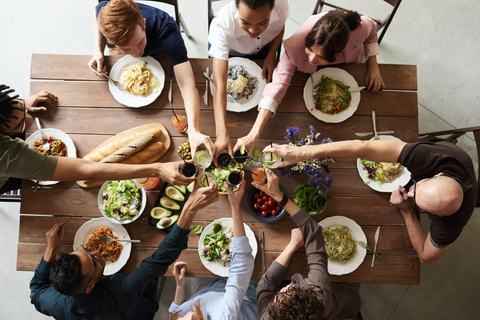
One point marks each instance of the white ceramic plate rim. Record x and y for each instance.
(84, 232)
(255, 70)
(100, 203)
(129, 99)
(402, 179)
(57, 134)
(337, 74)
(214, 266)
(339, 268)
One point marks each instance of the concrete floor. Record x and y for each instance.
(439, 38)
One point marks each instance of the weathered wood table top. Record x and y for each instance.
(89, 114)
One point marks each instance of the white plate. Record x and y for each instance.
(401, 179)
(242, 105)
(129, 99)
(336, 74)
(143, 196)
(57, 134)
(339, 268)
(85, 231)
(217, 267)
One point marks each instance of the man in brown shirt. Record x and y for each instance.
(313, 297)
(444, 185)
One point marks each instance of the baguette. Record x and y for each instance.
(148, 152)
(129, 150)
(121, 140)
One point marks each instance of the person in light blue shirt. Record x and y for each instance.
(232, 298)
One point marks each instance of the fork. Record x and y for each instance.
(314, 89)
(108, 240)
(46, 145)
(374, 126)
(229, 97)
(364, 246)
(116, 83)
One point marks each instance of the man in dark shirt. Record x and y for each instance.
(141, 30)
(71, 286)
(444, 185)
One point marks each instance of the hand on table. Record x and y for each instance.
(374, 81)
(222, 143)
(235, 197)
(290, 154)
(399, 198)
(197, 138)
(43, 97)
(250, 142)
(272, 188)
(179, 270)
(269, 64)
(97, 61)
(296, 238)
(169, 172)
(55, 237)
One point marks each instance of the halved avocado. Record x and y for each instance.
(159, 213)
(182, 189)
(190, 186)
(169, 204)
(167, 222)
(174, 194)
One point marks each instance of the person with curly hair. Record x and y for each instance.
(306, 298)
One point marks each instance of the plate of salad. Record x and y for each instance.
(215, 245)
(341, 235)
(383, 176)
(221, 175)
(122, 201)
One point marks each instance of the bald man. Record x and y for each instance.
(444, 185)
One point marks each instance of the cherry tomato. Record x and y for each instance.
(265, 213)
(265, 198)
(263, 207)
(338, 108)
(64, 152)
(269, 210)
(49, 139)
(348, 105)
(274, 212)
(61, 145)
(256, 206)
(260, 201)
(262, 193)
(317, 106)
(270, 203)
(256, 196)
(332, 111)
(329, 98)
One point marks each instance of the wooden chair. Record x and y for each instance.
(211, 15)
(382, 24)
(112, 49)
(452, 136)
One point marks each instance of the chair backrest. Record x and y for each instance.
(452, 137)
(382, 24)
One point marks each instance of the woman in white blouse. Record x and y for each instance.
(252, 29)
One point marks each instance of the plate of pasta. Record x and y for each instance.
(142, 79)
(61, 145)
(244, 84)
(115, 254)
(333, 102)
(341, 235)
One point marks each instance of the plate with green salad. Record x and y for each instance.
(341, 235)
(215, 245)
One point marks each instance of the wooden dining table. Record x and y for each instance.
(89, 114)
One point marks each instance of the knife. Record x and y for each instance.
(364, 134)
(205, 96)
(263, 250)
(356, 89)
(377, 235)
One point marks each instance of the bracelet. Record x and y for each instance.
(284, 201)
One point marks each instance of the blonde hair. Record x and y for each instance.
(118, 21)
(198, 311)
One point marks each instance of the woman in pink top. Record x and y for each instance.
(324, 39)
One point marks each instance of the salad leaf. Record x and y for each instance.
(197, 229)
(217, 227)
(221, 175)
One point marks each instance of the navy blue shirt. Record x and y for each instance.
(163, 36)
(113, 297)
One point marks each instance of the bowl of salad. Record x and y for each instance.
(221, 175)
(122, 201)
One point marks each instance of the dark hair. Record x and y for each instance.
(7, 106)
(255, 4)
(332, 32)
(66, 274)
(297, 304)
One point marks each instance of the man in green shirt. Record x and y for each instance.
(18, 161)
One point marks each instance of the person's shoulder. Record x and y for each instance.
(282, 6)
(226, 15)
